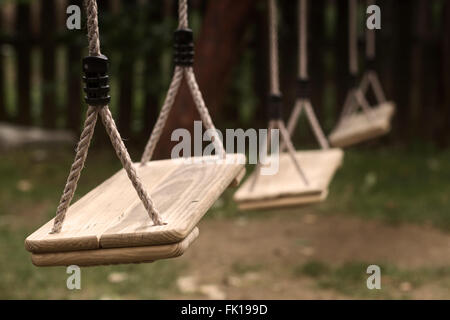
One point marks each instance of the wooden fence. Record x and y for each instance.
(40, 64)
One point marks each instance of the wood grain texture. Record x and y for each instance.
(112, 215)
(183, 198)
(115, 255)
(358, 127)
(286, 187)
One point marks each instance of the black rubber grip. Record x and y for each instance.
(370, 64)
(303, 89)
(184, 48)
(352, 81)
(275, 107)
(96, 81)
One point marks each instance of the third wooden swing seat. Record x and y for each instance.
(362, 126)
(361, 121)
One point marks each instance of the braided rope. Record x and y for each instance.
(291, 150)
(203, 110)
(353, 38)
(77, 167)
(370, 38)
(128, 165)
(350, 104)
(92, 27)
(86, 137)
(188, 73)
(315, 126)
(270, 127)
(275, 90)
(273, 34)
(293, 119)
(376, 86)
(183, 14)
(304, 104)
(303, 39)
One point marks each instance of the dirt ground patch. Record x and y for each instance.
(257, 258)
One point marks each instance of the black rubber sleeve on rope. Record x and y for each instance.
(303, 89)
(370, 64)
(352, 81)
(184, 48)
(275, 107)
(96, 80)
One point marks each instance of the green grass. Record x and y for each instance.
(394, 186)
(19, 279)
(243, 268)
(21, 212)
(390, 185)
(350, 278)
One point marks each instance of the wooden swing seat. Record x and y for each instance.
(113, 216)
(360, 127)
(109, 256)
(285, 188)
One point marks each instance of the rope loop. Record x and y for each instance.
(184, 60)
(97, 88)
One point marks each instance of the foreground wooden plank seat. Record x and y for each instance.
(285, 188)
(96, 257)
(112, 215)
(119, 221)
(363, 126)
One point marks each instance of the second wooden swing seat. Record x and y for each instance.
(371, 121)
(362, 126)
(111, 225)
(284, 189)
(303, 176)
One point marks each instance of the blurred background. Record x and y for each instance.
(388, 205)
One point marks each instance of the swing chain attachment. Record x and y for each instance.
(184, 47)
(96, 80)
(275, 107)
